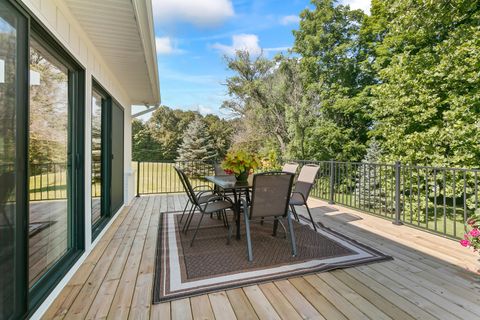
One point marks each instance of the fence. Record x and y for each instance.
(437, 199)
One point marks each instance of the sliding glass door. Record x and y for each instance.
(55, 163)
(13, 250)
(107, 157)
(41, 162)
(49, 152)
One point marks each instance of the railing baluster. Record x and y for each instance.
(454, 205)
(435, 197)
(464, 197)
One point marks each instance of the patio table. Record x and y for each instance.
(229, 184)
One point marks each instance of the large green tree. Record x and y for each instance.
(336, 77)
(427, 102)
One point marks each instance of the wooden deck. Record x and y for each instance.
(428, 279)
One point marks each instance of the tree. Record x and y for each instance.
(221, 132)
(166, 127)
(427, 103)
(371, 188)
(257, 96)
(333, 66)
(145, 147)
(197, 147)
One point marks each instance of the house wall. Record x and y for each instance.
(57, 18)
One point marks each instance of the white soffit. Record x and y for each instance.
(122, 31)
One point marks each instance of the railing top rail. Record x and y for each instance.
(403, 165)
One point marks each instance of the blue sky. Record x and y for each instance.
(193, 36)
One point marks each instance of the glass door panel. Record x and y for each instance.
(97, 156)
(49, 161)
(10, 215)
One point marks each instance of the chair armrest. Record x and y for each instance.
(203, 186)
(201, 193)
(301, 194)
(214, 198)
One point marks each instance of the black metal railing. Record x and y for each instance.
(437, 199)
(160, 177)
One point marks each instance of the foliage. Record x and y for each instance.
(239, 161)
(160, 137)
(370, 189)
(197, 144)
(336, 79)
(427, 102)
(257, 97)
(471, 238)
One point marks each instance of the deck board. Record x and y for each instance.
(429, 278)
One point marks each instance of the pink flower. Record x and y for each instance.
(465, 243)
(475, 232)
(471, 221)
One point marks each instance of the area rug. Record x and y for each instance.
(212, 265)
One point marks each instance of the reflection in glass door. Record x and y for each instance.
(98, 102)
(49, 165)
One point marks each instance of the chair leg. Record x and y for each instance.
(196, 230)
(249, 240)
(187, 223)
(188, 216)
(311, 218)
(184, 210)
(292, 235)
(275, 227)
(294, 211)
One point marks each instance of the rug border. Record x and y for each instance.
(156, 298)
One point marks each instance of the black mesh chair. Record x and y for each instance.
(303, 186)
(203, 193)
(270, 199)
(203, 205)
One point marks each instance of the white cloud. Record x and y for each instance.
(245, 42)
(165, 45)
(292, 19)
(198, 12)
(358, 4)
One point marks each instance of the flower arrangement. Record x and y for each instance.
(240, 163)
(471, 238)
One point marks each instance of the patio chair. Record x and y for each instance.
(202, 194)
(290, 167)
(206, 204)
(303, 186)
(270, 199)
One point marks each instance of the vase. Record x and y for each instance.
(242, 176)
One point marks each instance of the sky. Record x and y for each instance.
(193, 37)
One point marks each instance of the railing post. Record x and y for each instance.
(332, 183)
(138, 179)
(397, 220)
